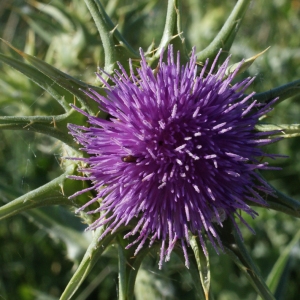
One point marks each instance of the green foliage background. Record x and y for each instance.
(36, 264)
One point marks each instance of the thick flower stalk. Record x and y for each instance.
(179, 153)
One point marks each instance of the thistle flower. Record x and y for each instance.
(178, 155)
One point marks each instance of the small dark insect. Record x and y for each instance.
(129, 159)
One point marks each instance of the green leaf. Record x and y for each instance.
(76, 242)
(274, 276)
(281, 202)
(236, 250)
(151, 287)
(202, 263)
(134, 266)
(62, 96)
(95, 282)
(281, 289)
(38, 22)
(287, 201)
(66, 81)
(37, 294)
(129, 265)
(57, 13)
(194, 271)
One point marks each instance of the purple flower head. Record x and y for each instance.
(178, 155)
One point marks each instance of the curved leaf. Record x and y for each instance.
(135, 264)
(236, 250)
(278, 268)
(76, 241)
(281, 202)
(203, 265)
(194, 271)
(71, 84)
(62, 96)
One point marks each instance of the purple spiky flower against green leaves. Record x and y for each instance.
(178, 155)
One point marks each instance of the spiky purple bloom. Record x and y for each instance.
(179, 153)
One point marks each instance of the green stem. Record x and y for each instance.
(40, 128)
(108, 32)
(171, 31)
(90, 258)
(49, 194)
(122, 273)
(283, 92)
(55, 126)
(104, 29)
(227, 33)
(93, 253)
(169, 27)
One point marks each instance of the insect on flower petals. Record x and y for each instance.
(129, 159)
